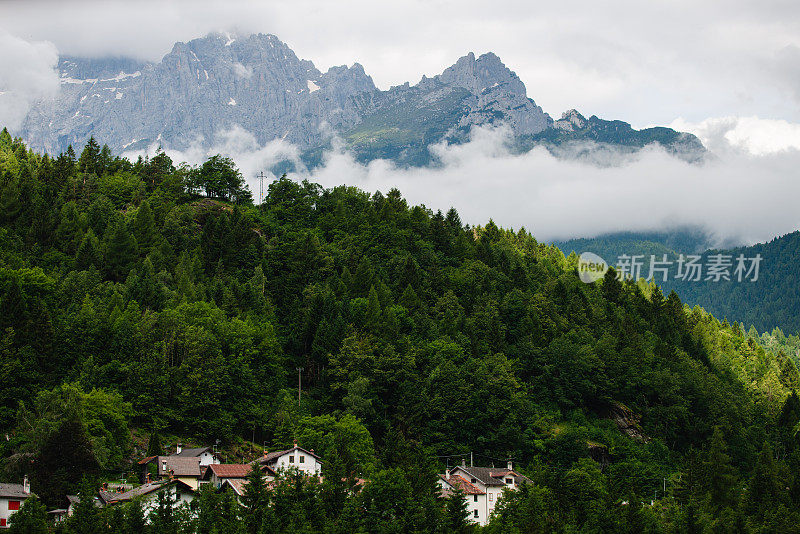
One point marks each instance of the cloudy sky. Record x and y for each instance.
(728, 71)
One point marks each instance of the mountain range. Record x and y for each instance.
(258, 83)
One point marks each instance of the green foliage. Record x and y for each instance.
(30, 519)
(133, 301)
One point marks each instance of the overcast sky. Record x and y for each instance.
(727, 71)
(642, 61)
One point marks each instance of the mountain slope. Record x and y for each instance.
(771, 301)
(212, 84)
(128, 300)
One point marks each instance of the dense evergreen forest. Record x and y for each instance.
(772, 301)
(144, 299)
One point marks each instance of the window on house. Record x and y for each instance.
(3, 522)
(302, 459)
(291, 459)
(509, 481)
(474, 513)
(474, 480)
(475, 498)
(491, 496)
(13, 505)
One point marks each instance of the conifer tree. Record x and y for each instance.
(121, 251)
(456, 515)
(144, 228)
(88, 254)
(255, 501)
(89, 161)
(720, 472)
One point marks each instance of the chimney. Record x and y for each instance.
(510, 465)
(447, 474)
(178, 449)
(164, 466)
(26, 484)
(463, 462)
(147, 479)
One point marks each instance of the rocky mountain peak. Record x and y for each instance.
(478, 75)
(570, 121)
(211, 84)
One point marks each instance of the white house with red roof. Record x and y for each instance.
(482, 487)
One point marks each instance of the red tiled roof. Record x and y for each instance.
(229, 470)
(457, 482)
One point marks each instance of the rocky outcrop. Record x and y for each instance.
(257, 83)
(627, 422)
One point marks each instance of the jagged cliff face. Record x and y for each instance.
(215, 83)
(197, 90)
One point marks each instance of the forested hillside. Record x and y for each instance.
(771, 301)
(147, 298)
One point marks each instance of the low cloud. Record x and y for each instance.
(739, 196)
(27, 73)
(241, 146)
(752, 135)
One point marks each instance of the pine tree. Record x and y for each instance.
(255, 501)
(88, 254)
(409, 299)
(154, 447)
(612, 288)
(120, 252)
(144, 228)
(89, 161)
(135, 520)
(373, 315)
(456, 513)
(721, 474)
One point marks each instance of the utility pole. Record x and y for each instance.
(470, 459)
(299, 384)
(260, 177)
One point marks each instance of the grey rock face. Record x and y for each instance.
(256, 82)
(197, 90)
(496, 92)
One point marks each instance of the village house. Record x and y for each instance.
(206, 454)
(217, 474)
(482, 487)
(12, 497)
(180, 493)
(296, 457)
(185, 469)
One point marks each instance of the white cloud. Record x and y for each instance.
(752, 135)
(27, 73)
(643, 62)
(240, 145)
